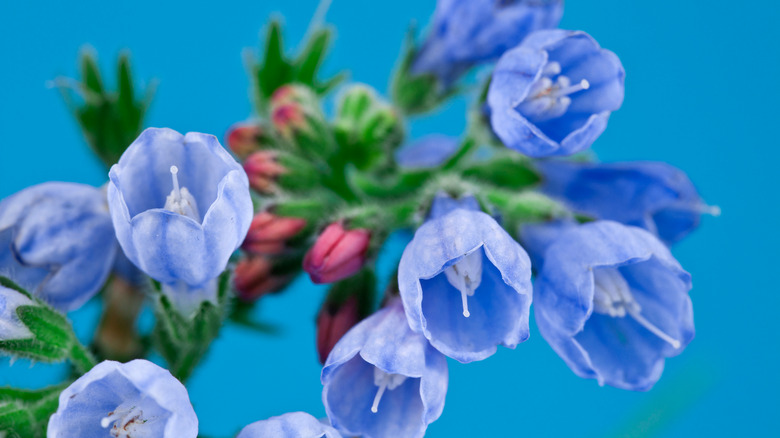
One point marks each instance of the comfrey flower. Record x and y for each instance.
(338, 253)
(181, 206)
(427, 152)
(553, 94)
(465, 284)
(137, 399)
(10, 326)
(292, 425)
(467, 32)
(57, 242)
(383, 380)
(652, 195)
(613, 303)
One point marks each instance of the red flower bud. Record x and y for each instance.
(253, 278)
(337, 253)
(333, 322)
(268, 233)
(288, 119)
(243, 139)
(263, 170)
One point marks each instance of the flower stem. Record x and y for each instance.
(81, 358)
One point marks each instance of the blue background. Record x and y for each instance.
(701, 92)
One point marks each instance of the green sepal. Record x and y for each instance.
(276, 69)
(110, 120)
(526, 206)
(506, 169)
(300, 174)
(416, 93)
(183, 340)
(25, 413)
(366, 128)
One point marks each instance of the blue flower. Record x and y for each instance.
(613, 303)
(383, 380)
(655, 196)
(553, 94)
(137, 399)
(292, 425)
(465, 284)
(427, 152)
(467, 32)
(57, 242)
(10, 326)
(181, 207)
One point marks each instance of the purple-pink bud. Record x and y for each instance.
(268, 234)
(253, 278)
(263, 170)
(333, 322)
(243, 139)
(337, 253)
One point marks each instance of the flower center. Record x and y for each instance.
(384, 381)
(128, 419)
(612, 296)
(180, 200)
(466, 276)
(549, 99)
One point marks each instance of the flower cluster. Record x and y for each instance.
(501, 221)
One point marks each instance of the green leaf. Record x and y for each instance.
(275, 70)
(90, 73)
(507, 170)
(526, 206)
(25, 413)
(311, 57)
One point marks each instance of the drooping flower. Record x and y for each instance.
(652, 195)
(465, 284)
(254, 277)
(337, 254)
(57, 242)
(10, 326)
(427, 152)
(333, 322)
(180, 206)
(137, 399)
(553, 94)
(383, 380)
(613, 303)
(263, 170)
(244, 138)
(467, 32)
(291, 425)
(268, 234)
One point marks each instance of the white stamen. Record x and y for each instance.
(180, 200)
(551, 69)
(466, 276)
(385, 381)
(612, 296)
(128, 418)
(712, 210)
(583, 85)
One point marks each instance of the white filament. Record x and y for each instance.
(384, 381)
(466, 276)
(612, 296)
(128, 420)
(180, 200)
(549, 98)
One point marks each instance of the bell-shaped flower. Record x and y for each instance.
(10, 326)
(383, 380)
(292, 425)
(57, 242)
(137, 399)
(553, 94)
(466, 33)
(652, 195)
(430, 151)
(613, 303)
(465, 283)
(180, 206)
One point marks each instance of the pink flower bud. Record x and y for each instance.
(253, 278)
(243, 139)
(268, 233)
(263, 170)
(337, 253)
(333, 322)
(288, 119)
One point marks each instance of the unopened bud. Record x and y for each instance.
(337, 253)
(268, 234)
(254, 277)
(263, 169)
(11, 327)
(244, 138)
(333, 321)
